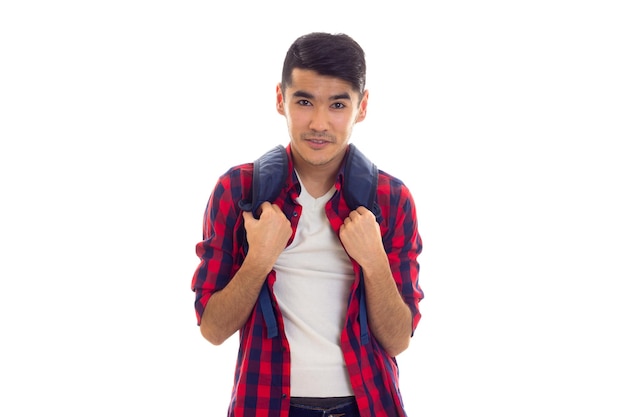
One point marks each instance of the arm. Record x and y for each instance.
(228, 309)
(390, 318)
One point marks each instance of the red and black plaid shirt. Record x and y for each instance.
(261, 384)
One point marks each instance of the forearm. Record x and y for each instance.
(228, 309)
(388, 315)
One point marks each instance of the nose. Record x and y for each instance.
(319, 119)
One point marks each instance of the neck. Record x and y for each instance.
(316, 185)
(316, 179)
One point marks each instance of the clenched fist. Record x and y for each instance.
(360, 235)
(267, 236)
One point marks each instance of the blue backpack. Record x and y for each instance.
(270, 174)
(359, 189)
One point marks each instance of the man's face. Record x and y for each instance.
(321, 112)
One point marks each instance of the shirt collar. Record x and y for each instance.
(292, 180)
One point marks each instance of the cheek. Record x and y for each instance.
(344, 122)
(296, 118)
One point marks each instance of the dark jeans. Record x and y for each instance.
(347, 409)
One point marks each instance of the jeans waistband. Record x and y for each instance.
(346, 408)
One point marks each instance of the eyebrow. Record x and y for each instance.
(304, 94)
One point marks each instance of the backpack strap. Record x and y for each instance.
(269, 176)
(360, 182)
(360, 189)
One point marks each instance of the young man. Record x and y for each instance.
(343, 286)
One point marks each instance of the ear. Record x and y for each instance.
(363, 107)
(280, 100)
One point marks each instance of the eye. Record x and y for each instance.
(337, 106)
(304, 102)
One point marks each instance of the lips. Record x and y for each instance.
(317, 144)
(318, 139)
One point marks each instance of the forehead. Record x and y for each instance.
(319, 86)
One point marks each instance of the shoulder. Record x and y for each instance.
(397, 207)
(394, 198)
(236, 178)
(391, 186)
(231, 187)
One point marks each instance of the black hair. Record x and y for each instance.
(335, 55)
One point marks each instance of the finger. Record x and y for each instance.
(264, 206)
(355, 214)
(247, 216)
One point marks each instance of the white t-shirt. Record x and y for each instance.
(313, 279)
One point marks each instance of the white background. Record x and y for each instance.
(505, 119)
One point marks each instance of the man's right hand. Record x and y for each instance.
(268, 236)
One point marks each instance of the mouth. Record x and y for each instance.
(318, 139)
(317, 144)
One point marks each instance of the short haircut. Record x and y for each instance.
(334, 55)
